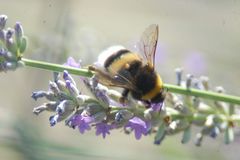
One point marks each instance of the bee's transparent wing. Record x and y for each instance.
(115, 80)
(148, 43)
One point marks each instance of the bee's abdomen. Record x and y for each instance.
(120, 60)
(115, 57)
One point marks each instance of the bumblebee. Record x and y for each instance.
(119, 67)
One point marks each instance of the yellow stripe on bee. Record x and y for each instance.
(155, 90)
(123, 61)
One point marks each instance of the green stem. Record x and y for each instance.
(56, 67)
(203, 94)
(171, 88)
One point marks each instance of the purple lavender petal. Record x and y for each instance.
(138, 133)
(72, 63)
(156, 107)
(3, 20)
(18, 30)
(82, 122)
(9, 33)
(103, 128)
(139, 126)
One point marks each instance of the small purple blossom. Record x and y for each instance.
(103, 128)
(72, 63)
(156, 107)
(139, 126)
(82, 122)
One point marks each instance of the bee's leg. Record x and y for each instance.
(124, 96)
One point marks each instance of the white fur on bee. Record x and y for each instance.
(107, 53)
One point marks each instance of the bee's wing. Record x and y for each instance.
(148, 43)
(115, 80)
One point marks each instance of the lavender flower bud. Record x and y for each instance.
(39, 94)
(54, 119)
(54, 88)
(50, 106)
(189, 80)
(56, 76)
(215, 131)
(18, 33)
(220, 89)
(196, 101)
(179, 106)
(61, 85)
(179, 75)
(9, 33)
(197, 84)
(199, 139)
(65, 107)
(68, 77)
(71, 88)
(94, 82)
(57, 118)
(205, 82)
(2, 36)
(3, 20)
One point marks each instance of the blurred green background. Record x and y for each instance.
(199, 35)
